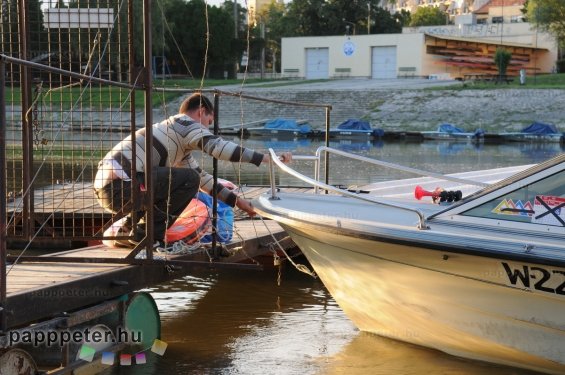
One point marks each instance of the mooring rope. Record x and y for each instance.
(300, 267)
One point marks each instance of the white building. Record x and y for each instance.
(445, 51)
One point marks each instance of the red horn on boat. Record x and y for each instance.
(438, 195)
(419, 192)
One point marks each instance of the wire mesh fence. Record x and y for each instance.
(75, 87)
(58, 126)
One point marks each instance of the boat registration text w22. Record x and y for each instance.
(538, 278)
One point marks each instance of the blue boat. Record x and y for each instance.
(281, 128)
(535, 132)
(449, 132)
(354, 129)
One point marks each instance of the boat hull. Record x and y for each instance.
(461, 304)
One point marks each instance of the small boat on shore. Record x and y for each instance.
(482, 277)
(535, 132)
(282, 128)
(449, 132)
(352, 129)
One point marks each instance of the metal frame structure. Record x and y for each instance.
(26, 70)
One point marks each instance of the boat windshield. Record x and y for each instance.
(541, 202)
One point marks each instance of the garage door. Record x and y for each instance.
(384, 62)
(317, 63)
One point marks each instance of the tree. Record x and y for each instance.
(524, 11)
(428, 16)
(333, 17)
(502, 58)
(548, 16)
(11, 31)
(403, 18)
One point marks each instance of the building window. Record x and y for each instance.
(497, 20)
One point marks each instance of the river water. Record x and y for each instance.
(244, 322)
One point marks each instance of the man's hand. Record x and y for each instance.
(285, 157)
(245, 205)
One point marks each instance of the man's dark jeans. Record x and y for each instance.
(173, 188)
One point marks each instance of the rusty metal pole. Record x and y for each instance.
(27, 141)
(133, 72)
(147, 55)
(215, 251)
(3, 249)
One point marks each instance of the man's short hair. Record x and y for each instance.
(196, 101)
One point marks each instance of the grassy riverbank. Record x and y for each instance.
(113, 97)
(542, 81)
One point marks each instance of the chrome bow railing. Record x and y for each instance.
(317, 184)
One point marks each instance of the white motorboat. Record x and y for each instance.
(482, 278)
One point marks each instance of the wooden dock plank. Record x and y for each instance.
(79, 198)
(76, 285)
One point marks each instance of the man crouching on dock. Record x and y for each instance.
(176, 174)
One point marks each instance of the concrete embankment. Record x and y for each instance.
(398, 108)
(393, 105)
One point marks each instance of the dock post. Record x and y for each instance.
(215, 251)
(272, 176)
(3, 249)
(327, 155)
(148, 89)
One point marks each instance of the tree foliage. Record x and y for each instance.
(335, 17)
(428, 16)
(548, 16)
(198, 39)
(502, 58)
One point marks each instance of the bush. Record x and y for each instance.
(560, 64)
(502, 58)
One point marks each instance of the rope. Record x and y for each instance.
(300, 267)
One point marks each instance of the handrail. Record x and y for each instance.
(311, 181)
(315, 159)
(398, 167)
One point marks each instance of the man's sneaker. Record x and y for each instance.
(157, 246)
(122, 242)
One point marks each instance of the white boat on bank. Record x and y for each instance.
(482, 278)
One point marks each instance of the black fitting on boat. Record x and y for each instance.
(450, 196)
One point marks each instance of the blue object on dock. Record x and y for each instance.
(378, 133)
(449, 128)
(286, 124)
(352, 129)
(354, 124)
(540, 128)
(224, 228)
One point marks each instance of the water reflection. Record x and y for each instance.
(351, 145)
(234, 322)
(283, 145)
(370, 354)
(452, 148)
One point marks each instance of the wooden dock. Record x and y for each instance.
(52, 288)
(67, 286)
(97, 285)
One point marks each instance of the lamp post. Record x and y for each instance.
(350, 23)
